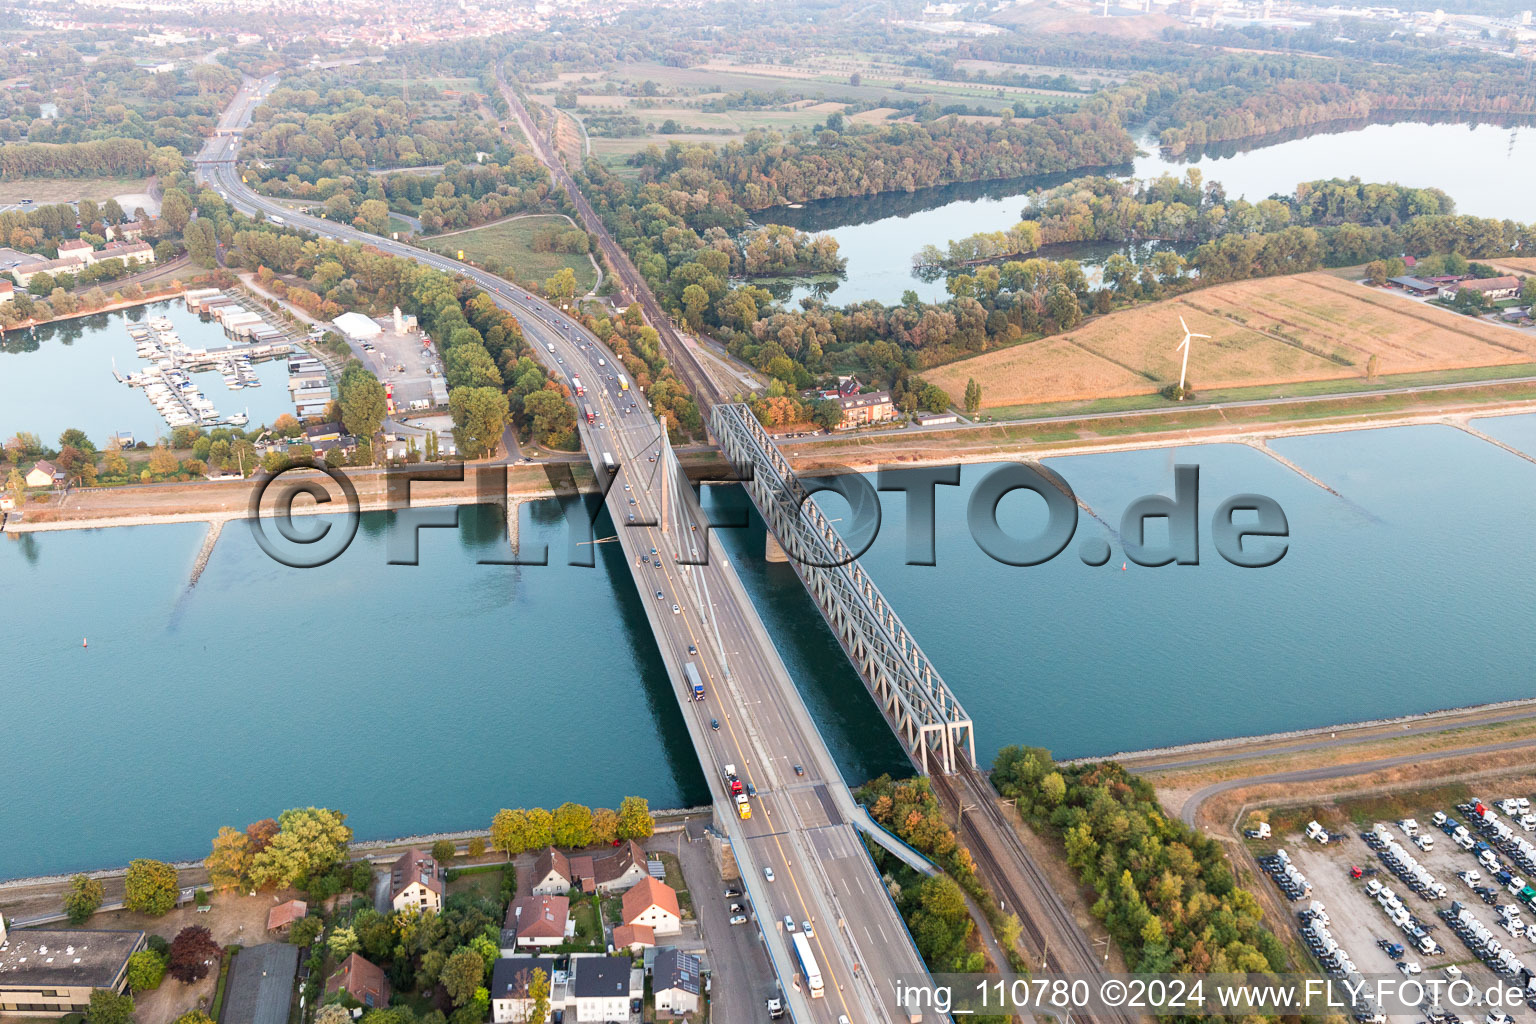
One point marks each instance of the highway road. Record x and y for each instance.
(799, 856)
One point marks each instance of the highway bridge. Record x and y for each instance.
(800, 856)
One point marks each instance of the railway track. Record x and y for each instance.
(1058, 944)
(692, 371)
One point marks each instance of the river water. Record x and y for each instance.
(61, 377)
(424, 698)
(1483, 167)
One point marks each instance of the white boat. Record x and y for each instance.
(240, 419)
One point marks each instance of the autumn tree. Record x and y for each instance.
(605, 826)
(109, 1007)
(193, 953)
(309, 842)
(635, 821)
(230, 860)
(150, 887)
(573, 825)
(462, 973)
(82, 898)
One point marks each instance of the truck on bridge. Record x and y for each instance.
(576, 383)
(591, 416)
(808, 965)
(731, 780)
(623, 383)
(695, 684)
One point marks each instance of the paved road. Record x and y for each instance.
(1168, 410)
(752, 716)
(1342, 771)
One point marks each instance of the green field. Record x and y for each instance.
(507, 248)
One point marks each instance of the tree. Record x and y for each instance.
(538, 996)
(16, 483)
(362, 401)
(635, 821)
(259, 834)
(74, 437)
(573, 825)
(462, 974)
(470, 366)
(82, 898)
(162, 462)
(145, 970)
(230, 859)
(972, 396)
(1371, 366)
(605, 826)
(193, 953)
(561, 287)
(108, 1007)
(150, 887)
(479, 416)
(193, 1017)
(1376, 272)
(476, 847)
(202, 243)
(333, 1013)
(309, 841)
(443, 851)
(305, 931)
(175, 209)
(342, 943)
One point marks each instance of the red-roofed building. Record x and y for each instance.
(361, 980)
(281, 917)
(653, 904)
(633, 937)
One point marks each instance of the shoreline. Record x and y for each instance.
(666, 819)
(1311, 732)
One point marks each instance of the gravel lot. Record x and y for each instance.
(1358, 921)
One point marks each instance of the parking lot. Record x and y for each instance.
(402, 361)
(1348, 874)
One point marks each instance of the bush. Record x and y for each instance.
(146, 968)
(82, 898)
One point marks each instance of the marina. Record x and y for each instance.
(96, 372)
(166, 380)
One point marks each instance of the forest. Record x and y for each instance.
(1165, 893)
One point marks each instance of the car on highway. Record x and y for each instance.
(660, 596)
(799, 770)
(789, 923)
(691, 648)
(714, 723)
(810, 932)
(768, 873)
(656, 562)
(676, 610)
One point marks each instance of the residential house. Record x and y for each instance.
(52, 972)
(654, 904)
(621, 868)
(416, 882)
(535, 920)
(259, 989)
(552, 873)
(133, 254)
(1493, 289)
(361, 980)
(633, 937)
(675, 981)
(44, 474)
(7, 292)
(510, 976)
(862, 410)
(600, 988)
(555, 872)
(79, 248)
(281, 917)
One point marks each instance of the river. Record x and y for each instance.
(424, 698)
(61, 377)
(1483, 167)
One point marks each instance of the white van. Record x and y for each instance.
(1316, 831)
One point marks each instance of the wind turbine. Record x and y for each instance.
(1185, 346)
